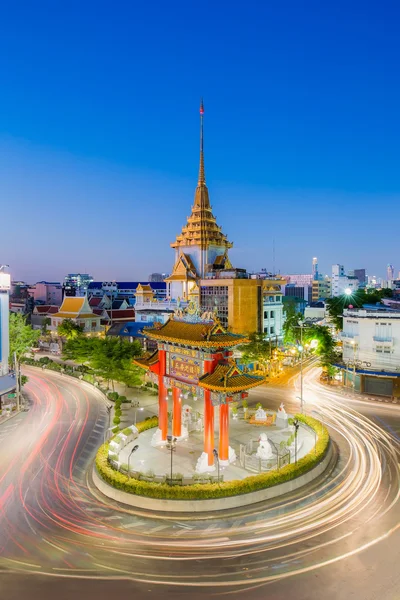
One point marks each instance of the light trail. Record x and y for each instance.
(345, 512)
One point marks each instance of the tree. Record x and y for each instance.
(357, 299)
(111, 358)
(45, 323)
(22, 337)
(258, 350)
(69, 329)
(291, 331)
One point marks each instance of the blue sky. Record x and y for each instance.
(99, 133)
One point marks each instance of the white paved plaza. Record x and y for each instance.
(157, 460)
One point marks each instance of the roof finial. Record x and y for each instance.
(202, 177)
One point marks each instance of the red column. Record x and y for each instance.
(177, 412)
(162, 394)
(209, 417)
(224, 431)
(208, 427)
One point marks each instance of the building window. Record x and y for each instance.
(272, 330)
(272, 314)
(265, 329)
(271, 298)
(93, 324)
(278, 298)
(215, 296)
(265, 314)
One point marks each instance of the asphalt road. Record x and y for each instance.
(337, 538)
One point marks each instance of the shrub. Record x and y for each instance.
(258, 405)
(118, 412)
(116, 420)
(115, 429)
(45, 360)
(149, 423)
(203, 491)
(127, 431)
(123, 399)
(113, 396)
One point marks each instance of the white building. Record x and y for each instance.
(7, 380)
(343, 284)
(273, 311)
(371, 350)
(5, 283)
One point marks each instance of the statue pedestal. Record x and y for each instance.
(231, 459)
(281, 419)
(157, 440)
(202, 465)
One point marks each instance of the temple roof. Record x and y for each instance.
(227, 377)
(201, 228)
(206, 334)
(75, 307)
(147, 361)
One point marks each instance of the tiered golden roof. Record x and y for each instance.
(227, 377)
(147, 361)
(198, 335)
(201, 228)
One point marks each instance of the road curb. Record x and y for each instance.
(211, 505)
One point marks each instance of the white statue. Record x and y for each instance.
(281, 417)
(264, 449)
(260, 415)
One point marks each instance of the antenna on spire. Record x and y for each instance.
(202, 177)
(273, 256)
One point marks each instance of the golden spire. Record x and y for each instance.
(201, 229)
(202, 177)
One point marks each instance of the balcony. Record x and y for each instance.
(383, 342)
(159, 305)
(347, 336)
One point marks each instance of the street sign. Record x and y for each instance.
(11, 395)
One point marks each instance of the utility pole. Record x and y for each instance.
(17, 381)
(301, 325)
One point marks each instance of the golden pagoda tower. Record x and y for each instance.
(201, 246)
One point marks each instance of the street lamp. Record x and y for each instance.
(301, 325)
(296, 424)
(129, 457)
(215, 452)
(347, 292)
(108, 408)
(172, 443)
(135, 405)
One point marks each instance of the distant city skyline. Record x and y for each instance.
(99, 141)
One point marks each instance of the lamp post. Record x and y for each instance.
(172, 441)
(215, 452)
(354, 364)
(296, 425)
(108, 407)
(301, 325)
(135, 405)
(129, 457)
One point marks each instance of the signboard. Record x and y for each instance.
(11, 396)
(184, 368)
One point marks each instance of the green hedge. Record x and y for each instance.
(203, 491)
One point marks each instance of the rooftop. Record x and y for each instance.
(204, 334)
(228, 378)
